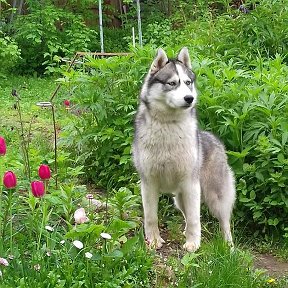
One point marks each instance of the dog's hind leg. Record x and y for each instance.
(220, 203)
(178, 201)
(150, 198)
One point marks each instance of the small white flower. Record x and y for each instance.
(49, 228)
(4, 262)
(88, 255)
(78, 244)
(80, 216)
(1, 273)
(106, 236)
(62, 242)
(37, 267)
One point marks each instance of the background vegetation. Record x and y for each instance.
(239, 53)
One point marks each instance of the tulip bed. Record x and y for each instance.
(59, 234)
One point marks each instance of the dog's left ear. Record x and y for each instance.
(184, 57)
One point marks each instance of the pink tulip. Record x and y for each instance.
(2, 146)
(9, 180)
(38, 189)
(67, 103)
(44, 172)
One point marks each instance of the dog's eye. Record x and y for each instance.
(172, 83)
(188, 82)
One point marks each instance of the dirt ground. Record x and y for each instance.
(273, 266)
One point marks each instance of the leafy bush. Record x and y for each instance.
(106, 98)
(247, 108)
(9, 54)
(46, 34)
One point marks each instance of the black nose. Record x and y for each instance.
(189, 99)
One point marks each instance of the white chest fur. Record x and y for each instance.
(168, 151)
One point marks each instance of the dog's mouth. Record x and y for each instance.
(186, 106)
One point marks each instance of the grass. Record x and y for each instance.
(43, 258)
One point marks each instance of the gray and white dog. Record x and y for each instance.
(173, 156)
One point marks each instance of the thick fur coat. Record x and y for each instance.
(173, 156)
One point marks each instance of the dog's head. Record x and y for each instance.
(170, 82)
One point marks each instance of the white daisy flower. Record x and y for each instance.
(78, 244)
(49, 228)
(88, 255)
(62, 242)
(106, 236)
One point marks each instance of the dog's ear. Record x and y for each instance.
(159, 62)
(184, 57)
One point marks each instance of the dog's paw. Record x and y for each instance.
(191, 246)
(155, 243)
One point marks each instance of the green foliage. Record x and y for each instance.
(247, 108)
(230, 34)
(217, 266)
(48, 33)
(104, 131)
(9, 54)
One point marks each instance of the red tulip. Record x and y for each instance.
(44, 172)
(2, 146)
(38, 189)
(9, 180)
(67, 103)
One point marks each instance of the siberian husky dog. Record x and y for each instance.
(173, 156)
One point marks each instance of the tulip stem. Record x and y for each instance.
(24, 147)
(11, 220)
(42, 223)
(9, 208)
(55, 146)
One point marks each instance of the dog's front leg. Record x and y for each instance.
(150, 198)
(191, 200)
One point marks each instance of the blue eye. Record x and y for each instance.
(188, 82)
(172, 83)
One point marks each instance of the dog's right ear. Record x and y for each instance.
(159, 62)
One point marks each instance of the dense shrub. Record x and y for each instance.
(46, 34)
(230, 34)
(247, 109)
(106, 98)
(9, 54)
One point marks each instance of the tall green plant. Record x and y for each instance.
(47, 33)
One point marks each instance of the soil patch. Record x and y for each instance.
(271, 264)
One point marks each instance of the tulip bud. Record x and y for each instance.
(44, 172)
(67, 103)
(2, 146)
(9, 180)
(80, 216)
(38, 189)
